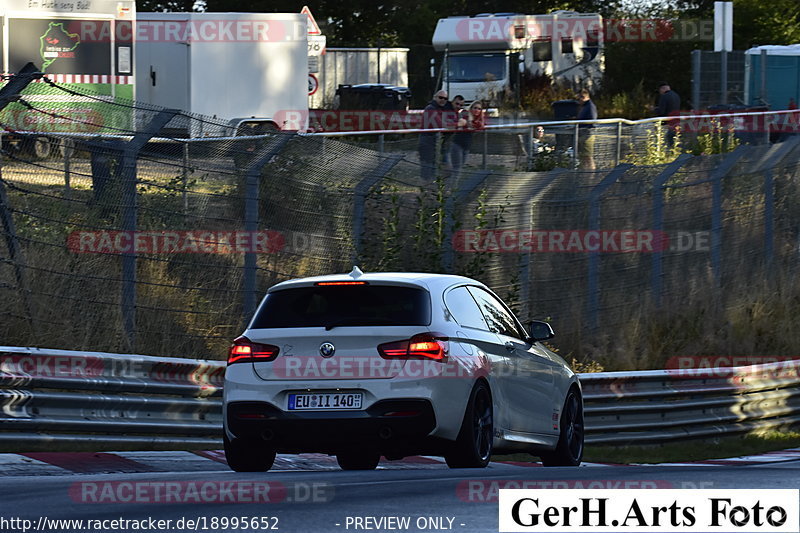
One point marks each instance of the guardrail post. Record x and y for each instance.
(252, 172)
(360, 197)
(716, 211)
(593, 289)
(658, 224)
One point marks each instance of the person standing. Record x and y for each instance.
(469, 121)
(587, 111)
(669, 104)
(450, 121)
(432, 118)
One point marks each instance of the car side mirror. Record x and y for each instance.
(540, 331)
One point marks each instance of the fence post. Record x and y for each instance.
(252, 172)
(697, 73)
(360, 197)
(772, 159)
(485, 148)
(723, 76)
(66, 145)
(130, 152)
(658, 224)
(185, 177)
(468, 186)
(619, 144)
(529, 148)
(575, 140)
(14, 250)
(716, 211)
(593, 277)
(525, 224)
(381, 139)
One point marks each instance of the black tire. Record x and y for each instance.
(358, 460)
(248, 455)
(569, 450)
(473, 447)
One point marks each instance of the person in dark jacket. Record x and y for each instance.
(669, 103)
(433, 117)
(587, 111)
(469, 120)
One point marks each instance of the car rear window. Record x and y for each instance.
(332, 306)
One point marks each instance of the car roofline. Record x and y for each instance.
(407, 279)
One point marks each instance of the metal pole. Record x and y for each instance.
(15, 251)
(723, 77)
(697, 73)
(360, 192)
(658, 224)
(253, 173)
(185, 175)
(769, 220)
(65, 144)
(130, 153)
(381, 139)
(593, 275)
(618, 158)
(129, 208)
(716, 211)
(250, 226)
(530, 148)
(485, 148)
(575, 147)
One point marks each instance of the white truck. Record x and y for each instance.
(248, 68)
(485, 55)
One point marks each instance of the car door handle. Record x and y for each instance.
(510, 346)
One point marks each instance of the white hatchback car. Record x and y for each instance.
(396, 364)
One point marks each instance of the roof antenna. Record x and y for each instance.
(355, 273)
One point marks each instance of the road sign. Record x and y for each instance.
(316, 45)
(313, 27)
(313, 84)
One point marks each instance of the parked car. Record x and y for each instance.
(396, 364)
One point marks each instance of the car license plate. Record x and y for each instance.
(333, 401)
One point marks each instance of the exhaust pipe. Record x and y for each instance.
(267, 434)
(385, 433)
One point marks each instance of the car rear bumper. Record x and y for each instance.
(396, 426)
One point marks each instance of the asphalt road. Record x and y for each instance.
(430, 497)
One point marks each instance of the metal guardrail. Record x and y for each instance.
(110, 400)
(658, 406)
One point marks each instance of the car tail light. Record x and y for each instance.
(335, 283)
(422, 346)
(243, 350)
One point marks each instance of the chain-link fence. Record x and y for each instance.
(127, 236)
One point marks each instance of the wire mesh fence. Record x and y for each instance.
(127, 229)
